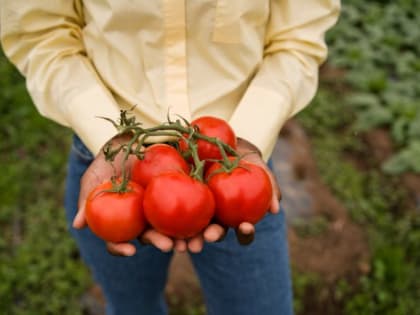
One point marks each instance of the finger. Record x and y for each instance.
(86, 185)
(195, 244)
(160, 241)
(275, 206)
(245, 233)
(79, 220)
(276, 195)
(82, 195)
(121, 249)
(214, 233)
(246, 228)
(180, 246)
(278, 192)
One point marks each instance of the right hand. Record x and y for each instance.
(100, 171)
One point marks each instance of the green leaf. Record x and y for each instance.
(373, 116)
(414, 127)
(363, 100)
(399, 130)
(406, 160)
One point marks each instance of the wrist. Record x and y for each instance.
(115, 142)
(246, 147)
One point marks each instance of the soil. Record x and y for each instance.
(340, 249)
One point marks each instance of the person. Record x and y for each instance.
(253, 63)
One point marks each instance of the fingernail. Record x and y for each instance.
(129, 252)
(211, 235)
(167, 247)
(275, 207)
(76, 219)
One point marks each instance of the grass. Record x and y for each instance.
(374, 200)
(376, 45)
(40, 270)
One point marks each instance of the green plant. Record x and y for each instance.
(377, 202)
(378, 44)
(40, 270)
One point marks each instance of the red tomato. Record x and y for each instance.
(243, 195)
(116, 217)
(212, 127)
(158, 158)
(177, 205)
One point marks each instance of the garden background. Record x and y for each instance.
(355, 151)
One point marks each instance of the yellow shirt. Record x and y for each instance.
(252, 62)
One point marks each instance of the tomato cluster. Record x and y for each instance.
(167, 192)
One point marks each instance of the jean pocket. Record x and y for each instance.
(80, 151)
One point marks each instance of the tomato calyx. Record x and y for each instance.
(198, 171)
(115, 217)
(228, 166)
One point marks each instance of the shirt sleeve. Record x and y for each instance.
(288, 76)
(43, 38)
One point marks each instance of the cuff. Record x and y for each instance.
(260, 116)
(83, 113)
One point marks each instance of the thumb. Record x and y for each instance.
(276, 196)
(79, 220)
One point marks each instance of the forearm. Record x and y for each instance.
(288, 76)
(44, 40)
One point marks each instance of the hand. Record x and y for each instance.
(251, 154)
(246, 231)
(99, 171)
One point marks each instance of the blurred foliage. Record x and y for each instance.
(376, 201)
(378, 44)
(39, 267)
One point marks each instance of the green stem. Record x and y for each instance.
(171, 129)
(124, 178)
(198, 172)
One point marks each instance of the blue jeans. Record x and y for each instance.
(236, 280)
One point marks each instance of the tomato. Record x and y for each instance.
(116, 217)
(177, 205)
(158, 158)
(243, 195)
(212, 127)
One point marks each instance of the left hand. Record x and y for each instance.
(251, 154)
(246, 231)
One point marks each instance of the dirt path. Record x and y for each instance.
(330, 245)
